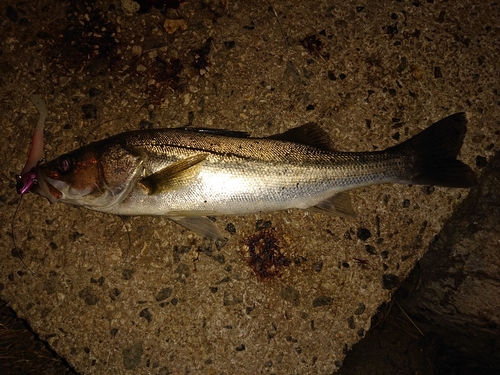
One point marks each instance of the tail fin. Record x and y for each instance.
(434, 152)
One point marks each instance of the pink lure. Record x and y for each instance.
(27, 178)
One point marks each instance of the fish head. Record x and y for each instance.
(95, 176)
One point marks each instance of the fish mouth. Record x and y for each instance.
(44, 187)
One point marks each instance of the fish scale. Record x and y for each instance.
(261, 175)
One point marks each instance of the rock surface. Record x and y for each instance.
(454, 291)
(437, 323)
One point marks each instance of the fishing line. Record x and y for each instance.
(280, 106)
(92, 130)
(285, 39)
(124, 222)
(18, 252)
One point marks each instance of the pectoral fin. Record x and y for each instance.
(338, 205)
(175, 175)
(201, 225)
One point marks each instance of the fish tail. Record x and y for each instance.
(434, 155)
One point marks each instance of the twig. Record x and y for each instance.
(411, 321)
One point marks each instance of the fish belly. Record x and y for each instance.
(250, 188)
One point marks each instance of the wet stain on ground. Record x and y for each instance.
(87, 42)
(265, 257)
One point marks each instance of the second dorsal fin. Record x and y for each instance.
(309, 134)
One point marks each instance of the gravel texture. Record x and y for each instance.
(144, 295)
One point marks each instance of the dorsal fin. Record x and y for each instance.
(224, 132)
(308, 134)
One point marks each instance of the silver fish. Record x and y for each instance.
(187, 174)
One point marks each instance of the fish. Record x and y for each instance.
(191, 174)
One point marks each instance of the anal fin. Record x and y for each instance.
(199, 224)
(337, 205)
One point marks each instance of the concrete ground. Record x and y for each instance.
(144, 295)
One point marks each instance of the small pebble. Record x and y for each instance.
(136, 51)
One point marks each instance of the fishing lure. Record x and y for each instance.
(27, 178)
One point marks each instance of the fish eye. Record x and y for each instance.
(65, 164)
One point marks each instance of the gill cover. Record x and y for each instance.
(96, 175)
